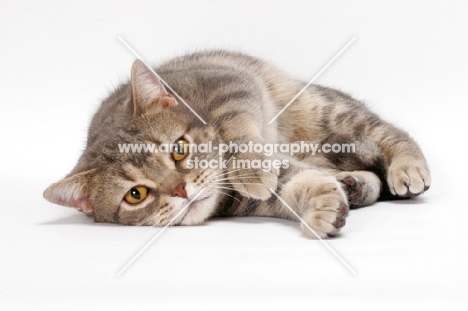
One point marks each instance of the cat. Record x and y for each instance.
(236, 95)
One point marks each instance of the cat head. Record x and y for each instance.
(146, 187)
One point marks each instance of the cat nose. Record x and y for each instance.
(179, 191)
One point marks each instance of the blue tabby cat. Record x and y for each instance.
(236, 95)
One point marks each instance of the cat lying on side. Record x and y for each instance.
(236, 95)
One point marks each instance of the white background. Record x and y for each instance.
(58, 59)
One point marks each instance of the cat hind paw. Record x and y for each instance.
(408, 177)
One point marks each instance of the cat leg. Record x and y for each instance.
(252, 182)
(405, 172)
(314, 194)
(246, 169)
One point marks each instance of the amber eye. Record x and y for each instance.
(180, 150)
(136, 194)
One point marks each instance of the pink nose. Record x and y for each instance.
(179, 191)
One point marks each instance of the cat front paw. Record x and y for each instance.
(326, 219)
(320, 201)
(251, 181)
(408, 176)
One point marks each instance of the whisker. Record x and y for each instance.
(233, 171)
(248, 174)
(238, 177)
(240, 183)
(232, 177)
(219, 187)
(222, 192)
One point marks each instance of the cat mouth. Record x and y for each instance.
(197, 201)
(194, 211)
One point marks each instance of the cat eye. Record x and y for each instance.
(180, 150)
(136, 194)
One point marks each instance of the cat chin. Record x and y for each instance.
(199, 211)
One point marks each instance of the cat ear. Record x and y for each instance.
(147, 90)
(72, 191)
